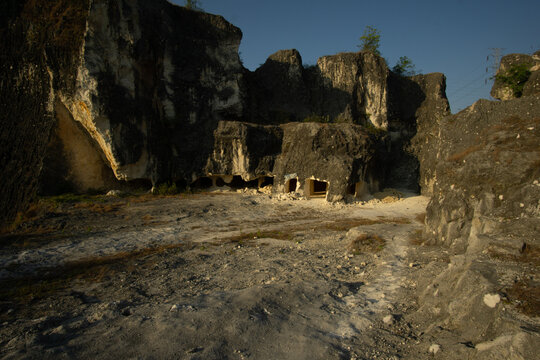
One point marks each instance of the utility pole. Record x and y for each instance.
(493, 60)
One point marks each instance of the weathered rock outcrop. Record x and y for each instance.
(244, 149)
(482, 167)
(484, 178)
(503, 91)
(278, 90)
(355, 88)
(418, 103)
(347, 87)
(339, 155)
(351, 87)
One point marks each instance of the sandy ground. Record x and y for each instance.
(216, 276)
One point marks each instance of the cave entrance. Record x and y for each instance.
(291, 185)
(317, 189)
(266, 181)
(239, 183)
(202, 183)
(357, 190)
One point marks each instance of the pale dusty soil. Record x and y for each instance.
(288, 288)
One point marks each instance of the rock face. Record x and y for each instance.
(484, 178)
(154, 80)
(355, 88)
(482, 168)
(337, 157)
(278, 89)
(418, 103)
(347, 87)
(143, 90)
(352, 87)
(244, 149)
(503, 91)
(38, 51)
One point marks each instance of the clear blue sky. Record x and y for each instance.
(453, 37)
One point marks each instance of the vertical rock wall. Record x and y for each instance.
(39, 44)
(153, 82)
(137, 90)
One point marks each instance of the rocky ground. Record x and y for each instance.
(223, 276)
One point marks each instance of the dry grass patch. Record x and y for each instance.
(526, 295)
(366, 243)
(100, 208)
(25, 222)
(347, 224)
(458, 157)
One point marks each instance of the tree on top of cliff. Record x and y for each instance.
(404, 67)
(193, 4)
(370, 40)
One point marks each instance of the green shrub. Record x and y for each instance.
(370, 40)
(404, 67)
(515, 78)
(166, 189)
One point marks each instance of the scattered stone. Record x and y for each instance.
(491, 300)
(115, 193)
(389, 319)
(434, 348)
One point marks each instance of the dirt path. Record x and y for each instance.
(215, 276)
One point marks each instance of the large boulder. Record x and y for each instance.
(244, 149)
(503, 91)
(337, 155)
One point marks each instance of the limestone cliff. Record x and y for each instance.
(278, 90)
(244, 149)
(39, 44)
(144, 90)
(153, 81)
(352, 87)
(347, 87)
